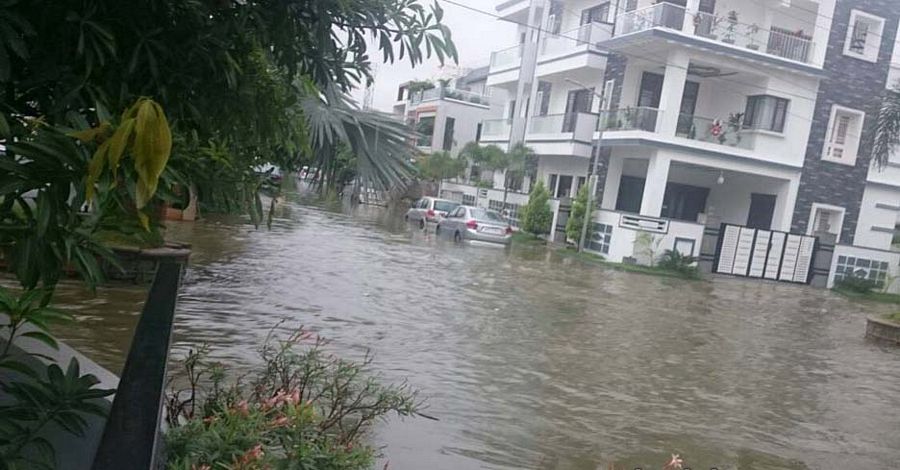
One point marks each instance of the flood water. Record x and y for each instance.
(530, 360)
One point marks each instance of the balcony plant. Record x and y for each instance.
(731, 27)
(752, 31)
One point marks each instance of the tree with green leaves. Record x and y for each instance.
(439, 166)
(887, 128)
(537, 216)
(576, 216)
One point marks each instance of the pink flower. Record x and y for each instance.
(675, 463)
(281, 421)
(294, 397)
(243, 408)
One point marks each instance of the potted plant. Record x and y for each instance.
(705, 25)
(752, 31)
(731, 28)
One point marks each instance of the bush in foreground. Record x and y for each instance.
(302, 408)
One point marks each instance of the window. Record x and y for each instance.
(825, 218)
(864, 36)
(468, 200)
(842, 140)
(608, 89)
(512, 109)
(478, 128)
(425, 128)
(596, 14)
(448, 133)
(601, 237)
(766, 113)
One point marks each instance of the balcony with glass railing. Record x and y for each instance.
(496, 129)
(729, 132)
(629, 119)
(587, 36)
(506, 58)
(440, 93)
(727, 28)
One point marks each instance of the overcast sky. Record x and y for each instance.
(476, 35)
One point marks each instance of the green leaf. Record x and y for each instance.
(42, 337)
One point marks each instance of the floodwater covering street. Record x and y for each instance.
(537, 361)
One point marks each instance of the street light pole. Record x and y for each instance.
(595, 151)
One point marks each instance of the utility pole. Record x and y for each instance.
(595, 172)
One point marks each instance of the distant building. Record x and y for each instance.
(448, 114)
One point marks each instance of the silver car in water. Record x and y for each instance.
(429, 210)
(475, 224)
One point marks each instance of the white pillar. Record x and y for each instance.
(672, 92)
(655, 186)
(613, 180)
(691, 10)
(821, 31)
(784, 205)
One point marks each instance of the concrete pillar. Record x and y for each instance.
(655, 186)
(672, 92)
(537, 13)
(784, 205)
(691, 10)
(613, 180)
(821, 31)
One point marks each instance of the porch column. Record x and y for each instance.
(691, 10)
(672, 92)
(784, 205)
(655, 186)
(611, 186)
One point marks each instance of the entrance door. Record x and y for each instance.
(649, 97)
(578, 101)
(564, 188)
(762, 210)
(688, 107)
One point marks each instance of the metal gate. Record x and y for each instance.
(765, 254)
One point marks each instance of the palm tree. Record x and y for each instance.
(887, 130)
(517, 163)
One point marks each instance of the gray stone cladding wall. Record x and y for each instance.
(855, 84)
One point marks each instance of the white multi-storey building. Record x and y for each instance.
(752, 113)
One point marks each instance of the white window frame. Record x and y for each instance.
(851, 148)
(810, 227)
(873, 40)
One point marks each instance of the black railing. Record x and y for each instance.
(131, 437)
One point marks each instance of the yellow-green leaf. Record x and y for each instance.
(142, 217)
(92, 134)
(118, 142)
(95, 167)
(151, 148)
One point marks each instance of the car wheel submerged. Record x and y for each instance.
(437, 231)
(457, 237)
(422, 224)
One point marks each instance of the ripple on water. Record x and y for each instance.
(531, 361)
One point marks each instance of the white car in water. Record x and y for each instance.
(429, 210)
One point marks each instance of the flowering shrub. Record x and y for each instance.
(303, 409)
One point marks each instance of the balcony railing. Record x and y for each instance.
(723, 132)
(496, 129)
(629, 119)
(581, 125)
(507, 57)
(439, 93)
(779, 42)
(589, 34)
(665, 15)
(727, 28)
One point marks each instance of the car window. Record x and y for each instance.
(423, 204)
(487, 216)
(445, 206)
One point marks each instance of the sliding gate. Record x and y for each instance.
(764, 254)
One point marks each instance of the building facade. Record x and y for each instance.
(751, 113)
(448, 114)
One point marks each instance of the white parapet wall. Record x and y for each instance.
(878, 265)
(619, 232)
